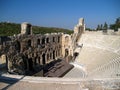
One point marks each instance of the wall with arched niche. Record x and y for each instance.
(36, 50)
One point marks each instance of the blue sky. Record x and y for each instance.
(60, 13)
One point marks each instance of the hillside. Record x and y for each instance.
(9, 29)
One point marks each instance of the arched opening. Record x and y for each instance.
(75, 54)
(43, 40)
(30, 64)
(29, 43)
(38, 42)
(47, 40)
(53, 39)
(66, 39)
(17, 46)
(43, 59)
(53, 54)
(58, 39)
(66, 52)
(56, 54)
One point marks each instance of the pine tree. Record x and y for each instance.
(105, 27)
(101, 27)
(117, 21)
(98, 27)
(116, 25)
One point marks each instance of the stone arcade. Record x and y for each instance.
(27, 52)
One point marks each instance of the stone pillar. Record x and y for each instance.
(26, 28)
(81, 22)
(22, 46)
(9, 65)
(56, 54)
(41, 60)
(3, 59)
(33, 60)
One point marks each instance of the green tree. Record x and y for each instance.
(9, 29)
(98, 27)
(117, 21)
(105, 27)
(101, 27)
(116, 25)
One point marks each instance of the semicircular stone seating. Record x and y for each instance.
(100, 55)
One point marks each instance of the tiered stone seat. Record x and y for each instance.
(111, 69)
(100, 55)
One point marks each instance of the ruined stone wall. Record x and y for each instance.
(79, 29)
(29, 52)
(26, 28)
(67, 49)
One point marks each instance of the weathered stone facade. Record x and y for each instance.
(67, 49)
(35, 50)
(28, 52)
(78, 30)
(26, 28)
(69, 42)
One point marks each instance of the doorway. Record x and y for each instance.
(53, 54)
(43, 59)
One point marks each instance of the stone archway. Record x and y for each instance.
(43, 40)
(47, 40)
(58, 39)
(38, 41)
(29, 43)
(66, 52)
(43, 59)
(53, 54)
(75, 55)
(56, 53)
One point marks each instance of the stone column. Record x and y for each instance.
(41, 60)
(33, 60)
